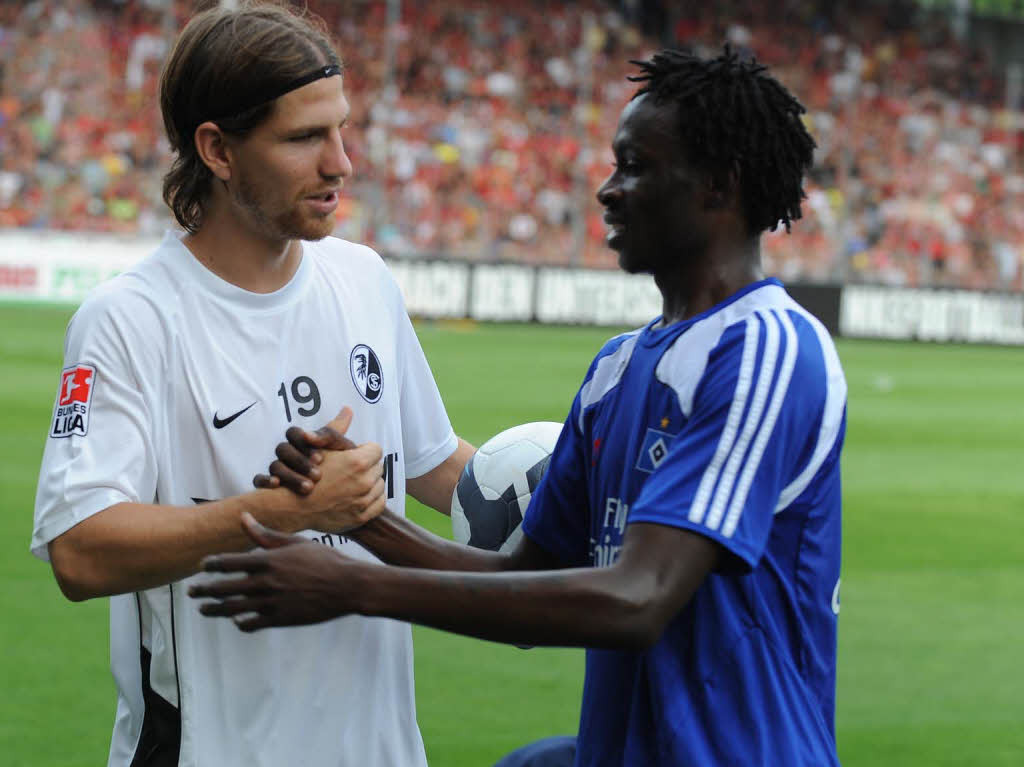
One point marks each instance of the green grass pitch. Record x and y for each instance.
(932, 629)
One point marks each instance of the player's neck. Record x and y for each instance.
(699, 284)
(243, 257)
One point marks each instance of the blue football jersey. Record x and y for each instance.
(729, 425)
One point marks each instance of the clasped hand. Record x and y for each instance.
(293, 581)
(341, 482)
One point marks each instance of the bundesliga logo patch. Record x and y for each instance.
(71, 413)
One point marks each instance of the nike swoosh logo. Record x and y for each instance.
(220, 423)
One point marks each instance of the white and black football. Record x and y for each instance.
(495, 487)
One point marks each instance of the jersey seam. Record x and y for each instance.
(749, 626)
(415, 469)
(142, 691)
(74, 514)
(174, 651)
(732, 545)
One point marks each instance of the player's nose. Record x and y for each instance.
(609, 192)
(335, 162)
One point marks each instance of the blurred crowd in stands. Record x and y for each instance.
(480, 129)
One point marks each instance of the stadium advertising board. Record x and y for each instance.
(589, 297)
(435, 289)
(19, 279)
(64, 268)
(1003, 9)
(931, 315)
(502, 293)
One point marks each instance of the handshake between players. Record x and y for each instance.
(341, 486)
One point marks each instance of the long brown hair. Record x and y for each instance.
(221, 64)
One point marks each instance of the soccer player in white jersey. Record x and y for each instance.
(181, 374)
(687, 531)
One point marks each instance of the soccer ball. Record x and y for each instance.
(495, 487)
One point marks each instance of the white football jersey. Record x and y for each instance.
(176, 388)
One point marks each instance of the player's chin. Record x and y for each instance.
(635, 256)
(617, 241)
(316, 228)
(630, 261)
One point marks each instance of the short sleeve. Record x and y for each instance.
(99, 447)
(427, 434)
(556, 519)
(754, 412)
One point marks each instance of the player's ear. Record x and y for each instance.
(721, 188)
(212, 148)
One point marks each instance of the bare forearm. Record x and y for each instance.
(398, 541)
(626, 605)
(436, 487)
(579, 607)
(132, 546)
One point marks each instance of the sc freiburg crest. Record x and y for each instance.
(366, 373)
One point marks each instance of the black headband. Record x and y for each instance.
(270, 94)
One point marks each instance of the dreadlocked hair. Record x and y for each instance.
(735, 118)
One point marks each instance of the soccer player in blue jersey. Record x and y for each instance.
(687, 531)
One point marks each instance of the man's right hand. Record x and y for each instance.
(297, 467)
(341, 482)
(350, 491)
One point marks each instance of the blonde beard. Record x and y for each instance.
(286, 225)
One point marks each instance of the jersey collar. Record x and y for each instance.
(654, 333)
